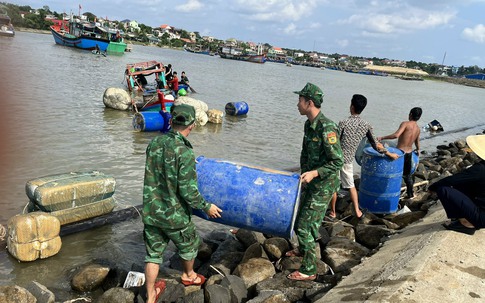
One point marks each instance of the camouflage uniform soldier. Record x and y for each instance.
(321, 159)
(169, 194)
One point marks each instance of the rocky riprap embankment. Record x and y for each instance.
(252, 267)
(460, 81)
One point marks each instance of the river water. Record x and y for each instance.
(53, 121)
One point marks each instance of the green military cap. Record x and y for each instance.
(182, 114)
(312, 92)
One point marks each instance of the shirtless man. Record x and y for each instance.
(407, 134)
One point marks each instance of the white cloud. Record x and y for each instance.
(399, 22)
(476, 34)
(343, 43)
(277, 10)
(290, 29)
(315, 25)
(190, 6)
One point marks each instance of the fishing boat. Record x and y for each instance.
(87, 36)
(197, 50)
(6, 27)
(236, 54)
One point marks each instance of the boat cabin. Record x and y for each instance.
(136, 73)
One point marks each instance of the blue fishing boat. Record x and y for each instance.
(87, 36)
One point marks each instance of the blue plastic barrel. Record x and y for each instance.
(150, 121)
(364, 144)
(253, 198)
(237, 108)
(380, 183)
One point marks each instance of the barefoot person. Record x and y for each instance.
(351, 131)
(321, 159)
(169, 194)
(463, 194)
(407, 134)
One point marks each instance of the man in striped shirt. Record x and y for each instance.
(351, 131)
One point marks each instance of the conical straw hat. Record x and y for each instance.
(477, 144)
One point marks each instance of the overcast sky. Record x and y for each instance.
(419, 30)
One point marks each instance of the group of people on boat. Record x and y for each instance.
(172, 79)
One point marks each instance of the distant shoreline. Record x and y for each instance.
(32, 30)
(460, 81)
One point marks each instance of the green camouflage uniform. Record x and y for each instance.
(321, 151)
(169, 194)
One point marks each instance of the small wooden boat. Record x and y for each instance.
(136, 73)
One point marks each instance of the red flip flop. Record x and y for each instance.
(160, 285)
(298, 276)
(193, 281)
(293, 253)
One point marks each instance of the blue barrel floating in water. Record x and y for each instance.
(237, 108)
(151, 121)
(253, 198)
(380, 183)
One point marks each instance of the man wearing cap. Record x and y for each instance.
(170, 192)
(321, 159)
(463, 194)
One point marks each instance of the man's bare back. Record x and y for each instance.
(407, 133)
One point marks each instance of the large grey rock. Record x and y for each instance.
(116, 278)
(173, 292)
(248, 238)
(237, 288)
(342, 229)
(254, 251)
(270, 296)
(15, 294)
(118, 295)
(294, 291)
(89, 277)
(205, 251)
(342, 254)
(117, 98)
(193, 297)
(276, 247)
(217, 294)
(405, 219)
(40, 292)
(371, 235)
(254, 271)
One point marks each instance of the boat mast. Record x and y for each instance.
(442, 65)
